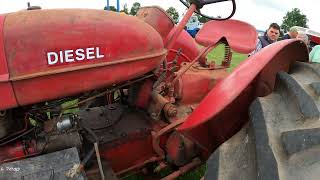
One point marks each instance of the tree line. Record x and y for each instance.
(133, 11)
(292, 18)
(136, 6)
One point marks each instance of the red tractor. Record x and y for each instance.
(90, 94)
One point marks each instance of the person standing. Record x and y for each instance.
(293, 33)
(303, 37)
(269, 37)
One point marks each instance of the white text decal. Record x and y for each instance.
(69, 56)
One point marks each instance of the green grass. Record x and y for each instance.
(216, 55)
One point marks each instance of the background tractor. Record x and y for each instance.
(90, 94)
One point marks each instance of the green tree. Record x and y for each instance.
(202, 19)
(125, 9)
(135, 8)
(173, 13)
(111, 8)
(294, 18)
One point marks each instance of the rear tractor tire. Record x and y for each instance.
(282, 138)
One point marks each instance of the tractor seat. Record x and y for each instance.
(241, 37)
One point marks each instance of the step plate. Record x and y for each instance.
(51, 166)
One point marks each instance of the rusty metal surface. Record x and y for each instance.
(179, 149)
(171, 40)
(98, 118)
(223, 111)
(8, 99)
(90, 66)
(129, 138)
(179, 38)
(170, 111)
(156, 136)
(16, 151)
(189, 65)
(202, 78)
(129, 153)
(110, 123)
(127, 142)
(5, 123)
(194, 163)
(58, 142)
(156, 17)
(189, 48)
(139, 165)
(4, 74)
(94, 174)
(45, 167)
(162, 22)
(157, 104)
(29, 36)
(140, 93)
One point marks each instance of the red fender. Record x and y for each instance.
(225, 109)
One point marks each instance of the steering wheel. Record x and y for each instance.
(201, 3)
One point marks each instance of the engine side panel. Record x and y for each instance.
(64, 84)
(56, 53)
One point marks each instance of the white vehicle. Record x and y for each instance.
(193, 25)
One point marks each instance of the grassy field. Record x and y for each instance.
(216, 55)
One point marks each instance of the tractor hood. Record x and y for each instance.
(72, 51)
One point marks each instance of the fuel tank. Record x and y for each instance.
(48, 54)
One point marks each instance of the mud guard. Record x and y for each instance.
(225, 109)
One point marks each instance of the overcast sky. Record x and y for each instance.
(259, 13)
